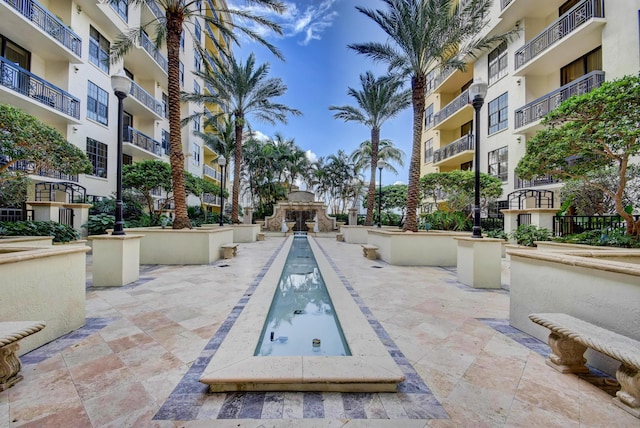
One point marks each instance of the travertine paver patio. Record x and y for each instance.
(137, 360)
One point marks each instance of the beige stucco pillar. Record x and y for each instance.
(511, 220)
(543, 217)
(247, 218)
(80, 217)
(116, 259)
(479, 262)
(353, 216)
(46, 211)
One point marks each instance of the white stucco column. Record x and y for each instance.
(479, 262)
(116, 259)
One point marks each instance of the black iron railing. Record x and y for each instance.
(466, 142)
(16, 214)
(504, 4)
(571, 224)
(147, 99)
(562, 27)
(537, 109)
(137, 138)
(29, 167)
(451, 108)
(49, 23)
(28, 84)
(153, 5)
(152, 49)
(538, 181)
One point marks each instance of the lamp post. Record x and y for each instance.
(121, 85)
(477, 92)
(222, 161)
(381, 165)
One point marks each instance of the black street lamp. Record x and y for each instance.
(121, 86)
(222, 161)
(477, 92)
(381, 165)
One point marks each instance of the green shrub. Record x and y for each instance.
(527, 234)
(602, 237)
(99, 223)
(60, 232)
(447, 220)
(497, 233)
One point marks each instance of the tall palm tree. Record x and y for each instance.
(168, 29)
(379, 99)
(248, 91)
(423, 35)
(386, 152)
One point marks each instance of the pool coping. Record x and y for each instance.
(370, 368)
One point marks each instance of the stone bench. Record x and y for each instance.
(569, 339)
(229, 250)
(10, 333)
(340, 237)
(260, 236)
(370, 251)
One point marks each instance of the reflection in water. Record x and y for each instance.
(301, 310)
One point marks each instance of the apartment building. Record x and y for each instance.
(54, 64)
(564, 47)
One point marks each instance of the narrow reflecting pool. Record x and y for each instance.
(301, 319)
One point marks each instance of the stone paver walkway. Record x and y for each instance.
(137, 360)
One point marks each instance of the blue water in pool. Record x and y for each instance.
(301, 320)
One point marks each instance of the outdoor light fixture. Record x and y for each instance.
(121, 86)
(381, 165)
(222, 161)
(477, 92)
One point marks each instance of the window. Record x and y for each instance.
(428, 117)
(499, 162)
(97, 154)
(198, 32)
(182, 40)
(181, 74)
(195, 158)
(466, 166)
(498, 113)
(98, 50)
(196, 87)
(498, 63)
(428, 151)
(197, 61)
(97, 104)
(15, 53)
(121, 7)
(165, 103)
(581, 66)
(196, 125)
(431, 81)
(165, 141)
(566, 6)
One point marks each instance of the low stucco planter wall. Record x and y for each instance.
(27, 241)
(564, 247)
(355, 234)
(416, 248)
(595, 286)
(245, 232)
(43, 284)
(182, 246)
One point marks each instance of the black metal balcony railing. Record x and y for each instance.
(30, 168)
(155, 8)
(437, 80)
(504, 4)
(537, 109)
(537, 181)
(466, 142)
(152, 49)
(24, 82)
(137, 138)
(451, 108)
(49, 23)
(563, 26)
(572, 224)
(147, 99)
(209, 198)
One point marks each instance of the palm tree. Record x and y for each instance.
(168, 29)
(247, 91)
(386, 152)
(379, 100)
(423, 35)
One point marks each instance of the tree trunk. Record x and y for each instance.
(237, 163)
(174, 31)
(371, 195)
(418, 83)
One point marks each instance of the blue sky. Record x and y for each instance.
(318, 70)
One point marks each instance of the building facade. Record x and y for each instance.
(563, 48)
(54, 64)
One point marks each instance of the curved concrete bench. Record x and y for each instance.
(370, 251)
(569, 339)
(10, 333)
(229, 250)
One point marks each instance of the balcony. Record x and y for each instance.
(146, 61)
(139, 145)
(52, 40)
(212, 173)
(210, 199)
(451, 116)
(578, 31)
(531, 113)
(537, 181)
(455, 153)
(143, 103)
(36, 96)
(104, 16)
(29, 167)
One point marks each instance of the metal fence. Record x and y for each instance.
(65, 216)
(572, 224)
(15, 214)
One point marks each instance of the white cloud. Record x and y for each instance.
(311, 156)
(305, 21)
(257, 135)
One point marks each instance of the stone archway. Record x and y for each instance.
(299, 208)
